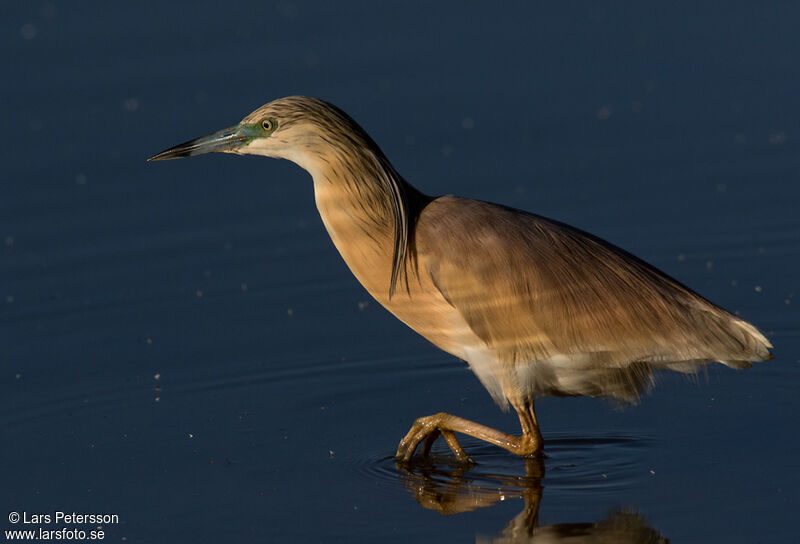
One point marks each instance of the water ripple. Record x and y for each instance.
(588, 463)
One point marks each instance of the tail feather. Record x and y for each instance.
(723, 337)
(753, 345)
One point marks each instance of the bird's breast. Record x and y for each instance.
(367, 249)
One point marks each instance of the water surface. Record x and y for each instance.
(182, 345)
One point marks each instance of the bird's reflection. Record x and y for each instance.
(449, 489)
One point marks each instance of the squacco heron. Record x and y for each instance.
(534, 306)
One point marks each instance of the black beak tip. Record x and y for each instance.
(224, 140)
(169, 154)
(158, 157)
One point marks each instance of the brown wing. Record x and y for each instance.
(533, 289)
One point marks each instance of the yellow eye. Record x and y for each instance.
(268, 125)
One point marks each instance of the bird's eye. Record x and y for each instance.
(268, 125)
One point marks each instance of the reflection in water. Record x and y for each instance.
(451, 490)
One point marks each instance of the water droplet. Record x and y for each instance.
(28, 31)
(777, 138)
(602, 113)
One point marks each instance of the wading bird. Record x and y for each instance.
(534, 306)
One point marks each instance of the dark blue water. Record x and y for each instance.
(182, 346)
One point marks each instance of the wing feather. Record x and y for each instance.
(535, 290)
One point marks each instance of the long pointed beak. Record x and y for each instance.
(226, 140)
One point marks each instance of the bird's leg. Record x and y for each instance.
(430, 427)
(531, 435)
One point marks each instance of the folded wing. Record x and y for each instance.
(563, 312)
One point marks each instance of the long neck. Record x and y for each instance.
(368, 209)
(365, 183)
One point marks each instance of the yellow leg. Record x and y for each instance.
(429, 428)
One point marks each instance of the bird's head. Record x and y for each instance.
(297, 128)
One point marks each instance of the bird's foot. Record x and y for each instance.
(427, 430)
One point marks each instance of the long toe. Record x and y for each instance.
(426, 430)
(408, 445)
(455, 446)
(428, 443)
